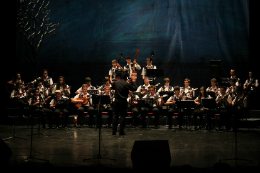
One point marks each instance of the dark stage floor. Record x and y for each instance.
(70, 148)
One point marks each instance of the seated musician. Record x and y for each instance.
(153, 107)
(19, 98)
(60, 104)
(239, 104)
(173, 107)
(133, 107)
(231, 90)
(224, 103)
(38, 106)
(149, 65)
(62, 86)
(166, 86)
(107, 107)
(200, 110)
(214, 87)
(84, 103)
(88, 84)
(143, 89)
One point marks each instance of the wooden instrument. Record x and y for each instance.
(79, 104)
(134, 73)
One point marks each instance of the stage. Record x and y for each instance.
(97, 149)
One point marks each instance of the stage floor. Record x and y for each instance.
(70, 148)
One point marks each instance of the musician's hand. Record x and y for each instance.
(133, 80)
(134, 61)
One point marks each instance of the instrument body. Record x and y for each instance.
(79, 104)
(134, 73)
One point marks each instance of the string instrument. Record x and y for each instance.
(79, 104)
(134, 73)
(152, 54)
(118, 60)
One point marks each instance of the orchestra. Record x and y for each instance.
(148, 97)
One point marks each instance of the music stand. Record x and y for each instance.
(210, 104)
(186, 104)
(100, 100)
(212, 94)
(154, 73)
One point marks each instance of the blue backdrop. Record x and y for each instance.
(184, 35)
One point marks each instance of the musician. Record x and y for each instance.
(143, 89)
(214, 87)
(239, 103)
(112, 71)
(12, 83)
(251, 83)
(187, 91)
(233, 74)
(62, 86)
(121, 88)
(149, 65)
(231, 90)
(88, 84)
(84, 107)
(166, 86)
(19, 98)
(46, 80)
(133, 107)
(200, 110)
(153, 107)
(106, 82)
(59, 104)
(107, 107)
(224, 103)
(130, 65)
(38, 107)
(173, 107)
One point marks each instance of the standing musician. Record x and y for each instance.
(224, 103)
(38, 106)
(233, 74)
(19, 98)
(130, 66)
(173, 107)
(200, 110)
(149, 65)
(132, 107)
(84, 103)
(88, 84)
(62, 86)
(154, 107)
(112, 71)
(59, 104)
(166, 86)
(214, 87)
(251, 83)
(143, 89)
(107, 107)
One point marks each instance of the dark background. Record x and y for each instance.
(184, 35)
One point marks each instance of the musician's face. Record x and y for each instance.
(167, 83)
(61, 80)
(213, 83)
(177, 92)
(222, 91)
(148, 62)
(250, 74)
(37, 93)
(151, 90)
(85, 90)
(45, 73)
(114, 64)
(58, 95)
(107, 91)
(186, 83)
(146, 81)
(128, 61)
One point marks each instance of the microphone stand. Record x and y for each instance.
(100, 124)
(31, 147)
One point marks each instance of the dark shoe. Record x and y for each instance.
(44, 127)
(156, 127)
(113, 133)
(170, 127)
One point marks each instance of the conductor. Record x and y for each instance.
(121, 87)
